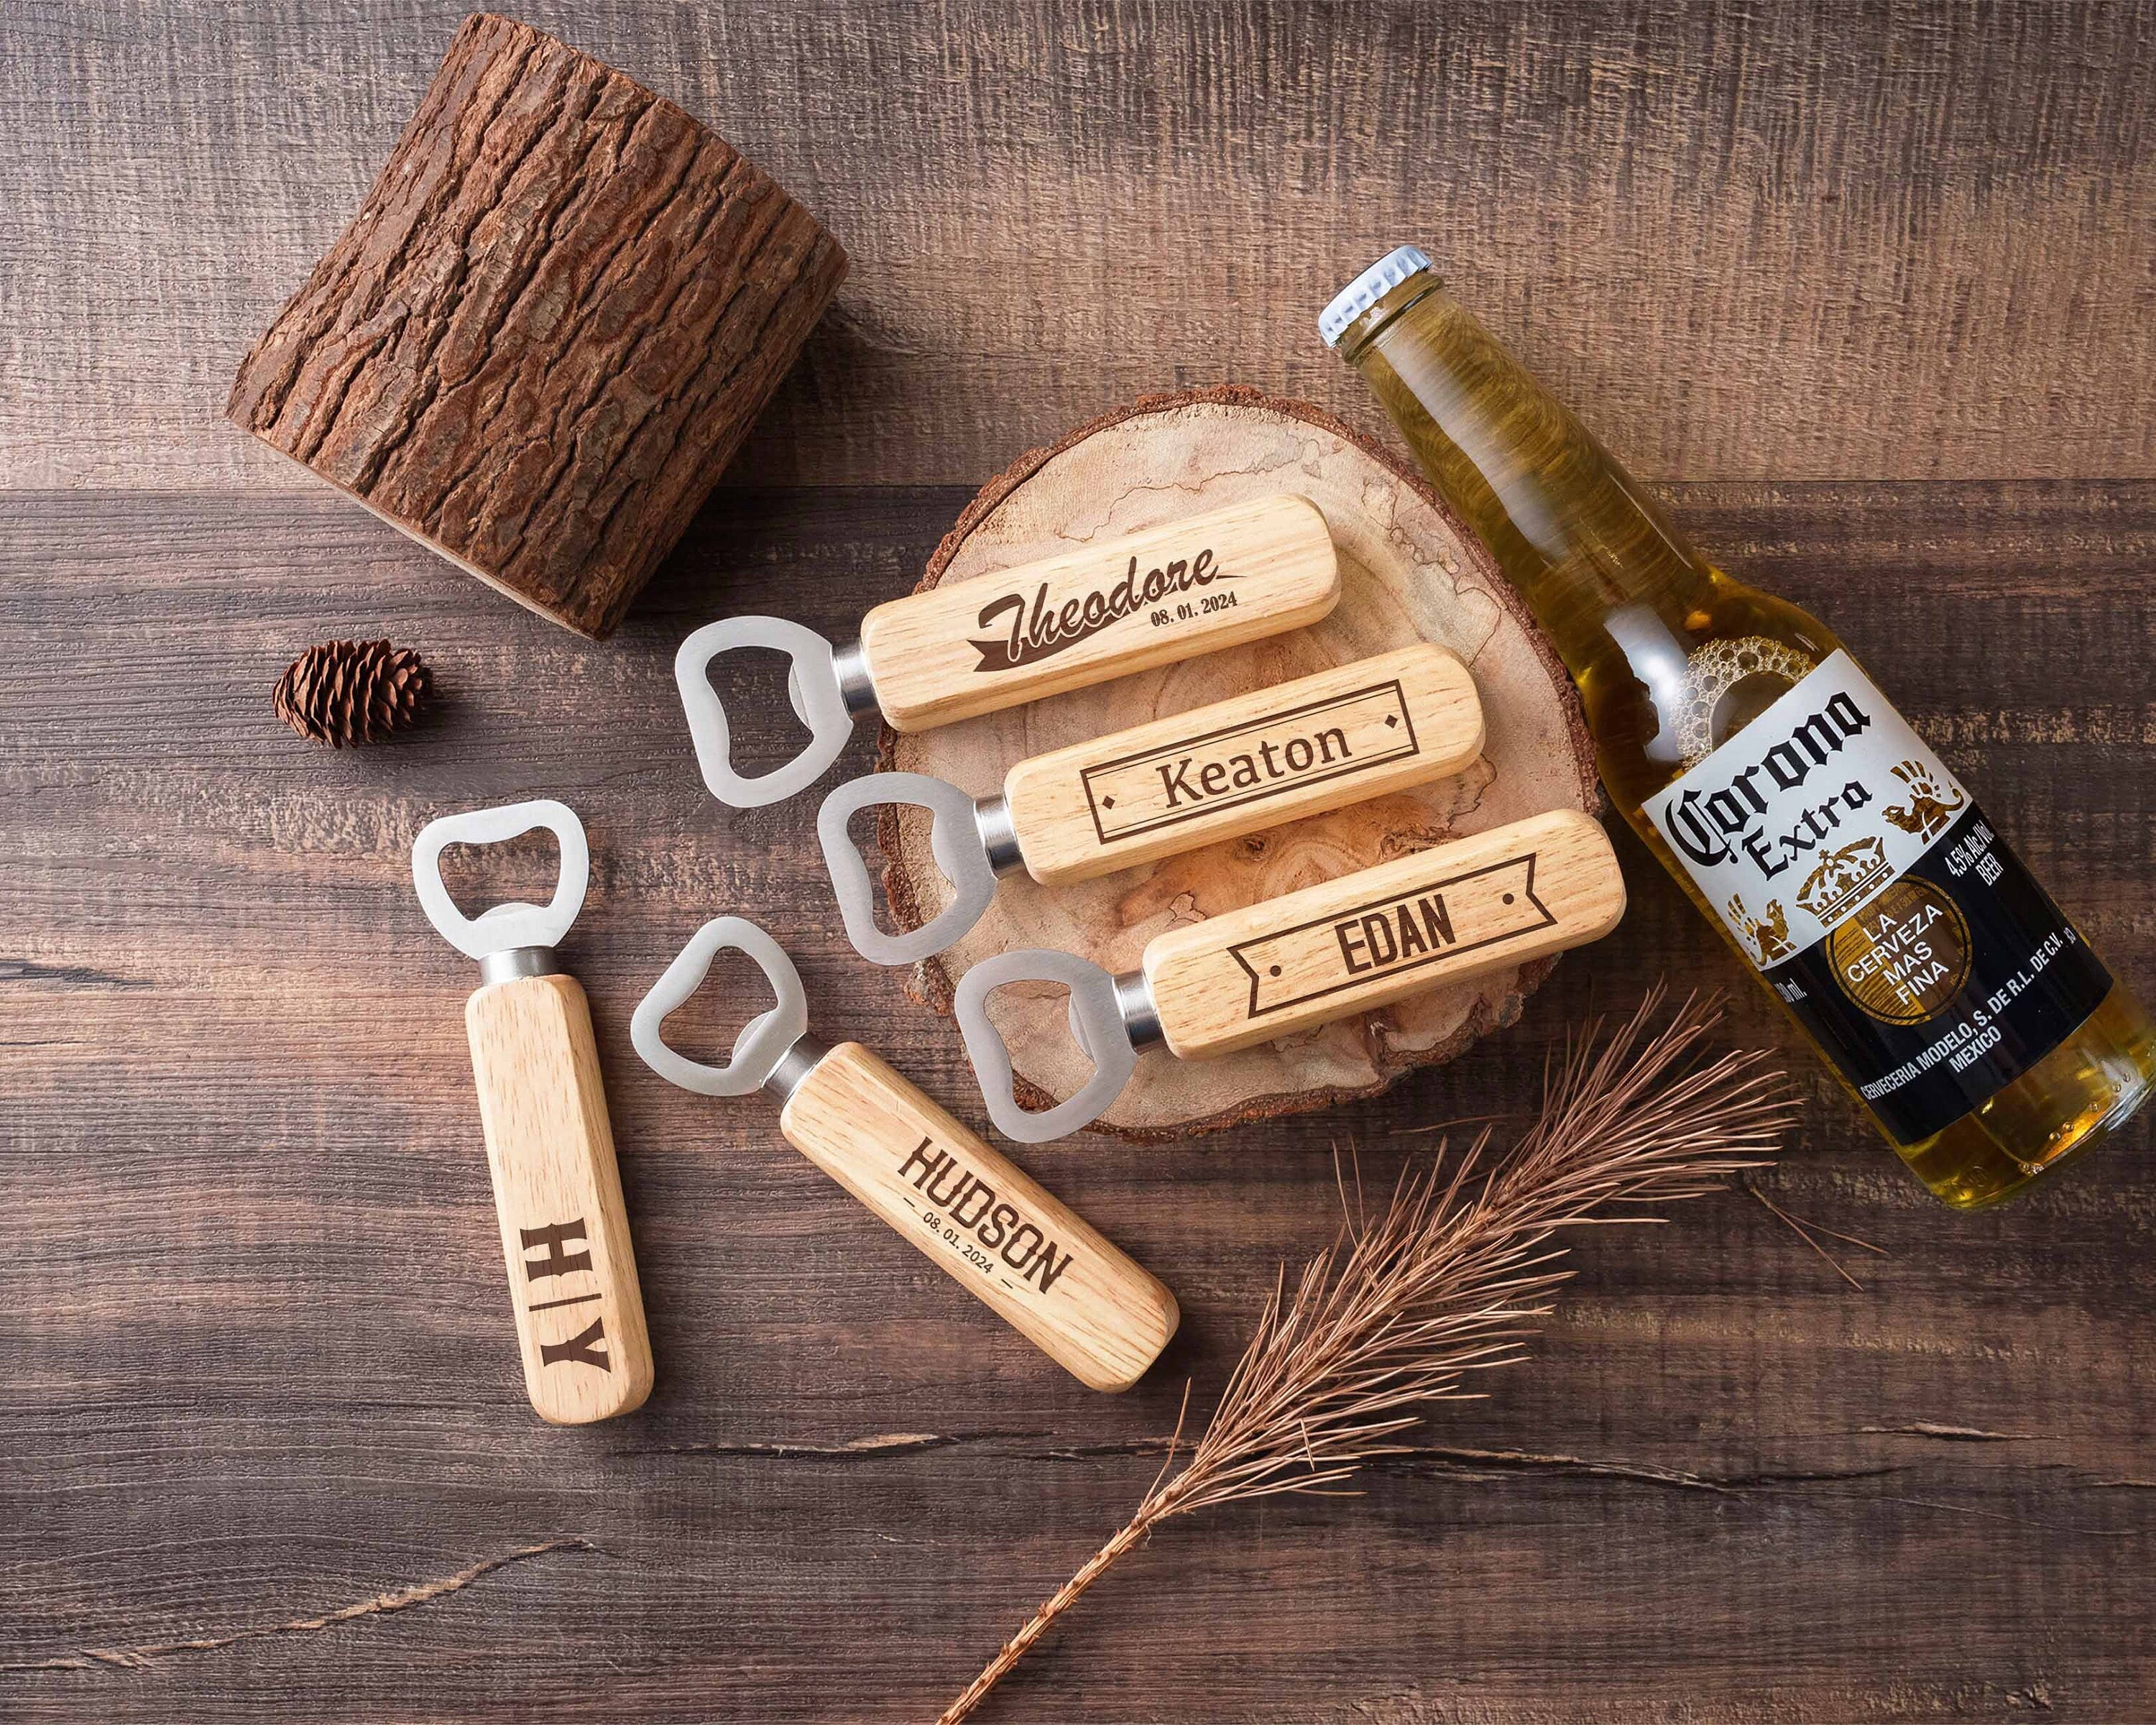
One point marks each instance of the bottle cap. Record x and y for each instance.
(1372, 286)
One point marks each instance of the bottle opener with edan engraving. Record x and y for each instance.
(1499, 898)
(549, 1147)
(1040, 1266)
(1322, 742)
(992, 641)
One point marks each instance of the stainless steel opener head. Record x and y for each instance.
(1097, 1022)
(818, 689)
(961, 850)
(505, 927)
(763, 1042)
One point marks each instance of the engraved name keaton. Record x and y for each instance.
(1251, 762)
(1297, 755)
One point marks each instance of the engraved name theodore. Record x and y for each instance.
(1246, 764)
(1053, 623)
(1402, 933)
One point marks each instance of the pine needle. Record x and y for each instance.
(1452, 1279)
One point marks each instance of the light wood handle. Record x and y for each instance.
(1261, 760)
(1517, 892)
(1044, 1269)
(557, 1193)
(1107, 610)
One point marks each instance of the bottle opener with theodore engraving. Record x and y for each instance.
(993, 641)
(1517, 892)
(1322, 742)
(1041, 1267)
(549, 1147)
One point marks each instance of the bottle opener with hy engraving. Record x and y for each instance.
(1013, 1245)
(1517, 892)
(992, 641)
(549, 1147)
(1323, 741)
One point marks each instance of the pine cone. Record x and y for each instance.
(351, 691)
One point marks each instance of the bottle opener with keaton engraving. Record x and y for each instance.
(1444, 914)
(993, 641)
(1261, 760)
(1010, 1243)
(549, 1147)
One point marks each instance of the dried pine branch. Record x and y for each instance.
(1450, 1280)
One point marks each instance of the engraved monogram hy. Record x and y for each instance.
(588, 1347)
(1043, 629)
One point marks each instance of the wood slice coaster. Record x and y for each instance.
(1410, 570)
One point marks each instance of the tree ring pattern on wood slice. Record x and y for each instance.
(1410, 570)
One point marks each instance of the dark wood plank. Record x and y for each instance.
(1822, 241)
(255, 1370)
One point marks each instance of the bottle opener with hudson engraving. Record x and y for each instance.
(1444, 914)
(1261, 760)
(993, 641)
(1013, 1245)
(549, 1147)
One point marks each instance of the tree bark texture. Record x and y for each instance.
(556, 315)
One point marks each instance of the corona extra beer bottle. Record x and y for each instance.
(1825, 839)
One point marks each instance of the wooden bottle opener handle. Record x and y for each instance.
(1107, 610)
(1517, 892)
(1040, 1266)
(1342, 735)
(557, 1193)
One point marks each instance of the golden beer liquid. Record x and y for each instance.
(1583, 543)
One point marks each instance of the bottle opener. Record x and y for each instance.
(549, 1147)
(1007, 1241)
(1444, 914)
(1261, 760)
(1083, 617)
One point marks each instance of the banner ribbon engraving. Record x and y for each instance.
(1267, 757)
(1404, 931)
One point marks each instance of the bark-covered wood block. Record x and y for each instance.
(557, 313)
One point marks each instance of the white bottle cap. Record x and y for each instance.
(1372, 286)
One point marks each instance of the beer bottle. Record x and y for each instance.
(1817, 830)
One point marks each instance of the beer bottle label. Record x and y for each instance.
(1868, 889)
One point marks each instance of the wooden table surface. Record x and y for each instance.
(1868, 293)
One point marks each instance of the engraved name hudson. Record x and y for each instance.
(972, 1206)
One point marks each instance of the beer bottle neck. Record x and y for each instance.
(1571, 529)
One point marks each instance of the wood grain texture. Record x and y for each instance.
(1298, 748)
(1872, 282)
(1006, 1240)
(1499, 899)
(552, 321)
(564, 1233)
(1831, 241)
(1198, 583)
(267, 1456)
(1409, 572)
